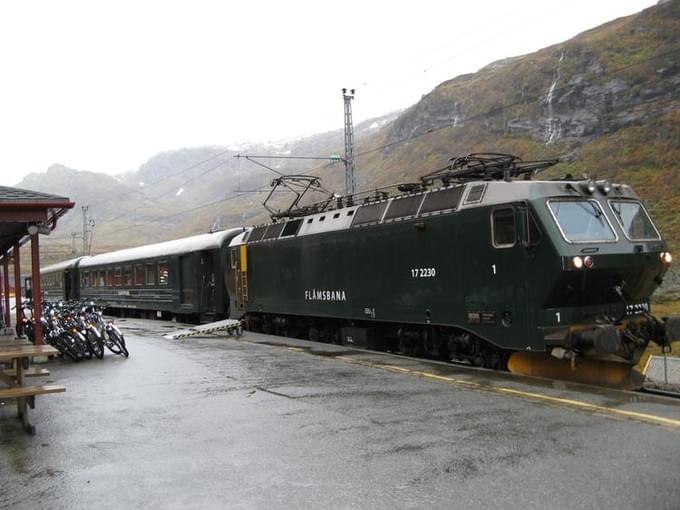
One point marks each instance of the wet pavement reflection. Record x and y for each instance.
(264, 422)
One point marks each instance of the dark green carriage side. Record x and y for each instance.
(60, 281)
(176, 278)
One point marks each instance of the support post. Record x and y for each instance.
(350, 180)
(17, 283)
(5, 284)
(37, 288)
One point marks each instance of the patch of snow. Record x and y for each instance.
(141, 184)
(179, 192)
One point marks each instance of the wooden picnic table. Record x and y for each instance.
(18, 356)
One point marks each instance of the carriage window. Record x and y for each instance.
(634, 220)
(93, 278)
(102, 279)
(117, 276)
(581, 221)
(109, 277)
(139, 275)
(150, 274)
(503, 227)
(163, 275)
(127, 275)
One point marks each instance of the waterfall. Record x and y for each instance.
(457, 117)
(552, 126)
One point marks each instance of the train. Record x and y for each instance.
(478, 262)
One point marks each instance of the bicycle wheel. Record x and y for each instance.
(82, 344)
(95, 344)
(68, 346)
(116, 342)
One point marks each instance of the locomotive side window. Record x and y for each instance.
(371, 213)
(291, 228)
(581, 221)
(503, 227)
(634, 220)
(273, 231)
(443, 200)
(163, 275)
(404, 207)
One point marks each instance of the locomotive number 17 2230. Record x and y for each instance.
(423, 272)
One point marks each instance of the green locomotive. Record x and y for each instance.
(475, 262)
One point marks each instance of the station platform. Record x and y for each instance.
(257, 421)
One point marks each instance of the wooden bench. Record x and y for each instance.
(25, 396)
(29, 372)
(30, 391)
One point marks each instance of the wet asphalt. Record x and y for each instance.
(217, 422)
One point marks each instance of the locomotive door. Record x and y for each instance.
(509, 274)
(207, 281)
(239, 265)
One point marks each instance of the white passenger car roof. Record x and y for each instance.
(176, 247)
(60, 266)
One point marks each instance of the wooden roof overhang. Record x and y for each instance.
(20, 209)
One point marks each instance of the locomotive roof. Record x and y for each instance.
(459, 196)
(175, 247)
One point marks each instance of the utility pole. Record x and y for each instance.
(88, 225)
(350, 182)
(73, 242)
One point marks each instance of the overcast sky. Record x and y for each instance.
(105, 85)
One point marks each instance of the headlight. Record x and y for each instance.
(577, 263)
(588, 186)
(588, 262)
(666, 257)
(604, 187)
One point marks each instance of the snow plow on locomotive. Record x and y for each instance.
(477, 262)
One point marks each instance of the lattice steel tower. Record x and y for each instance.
(350, 182)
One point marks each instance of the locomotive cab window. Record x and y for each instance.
(582, 221)
(634, 220)
(503, 228)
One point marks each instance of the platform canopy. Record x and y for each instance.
(20, 208)
(24, 215)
